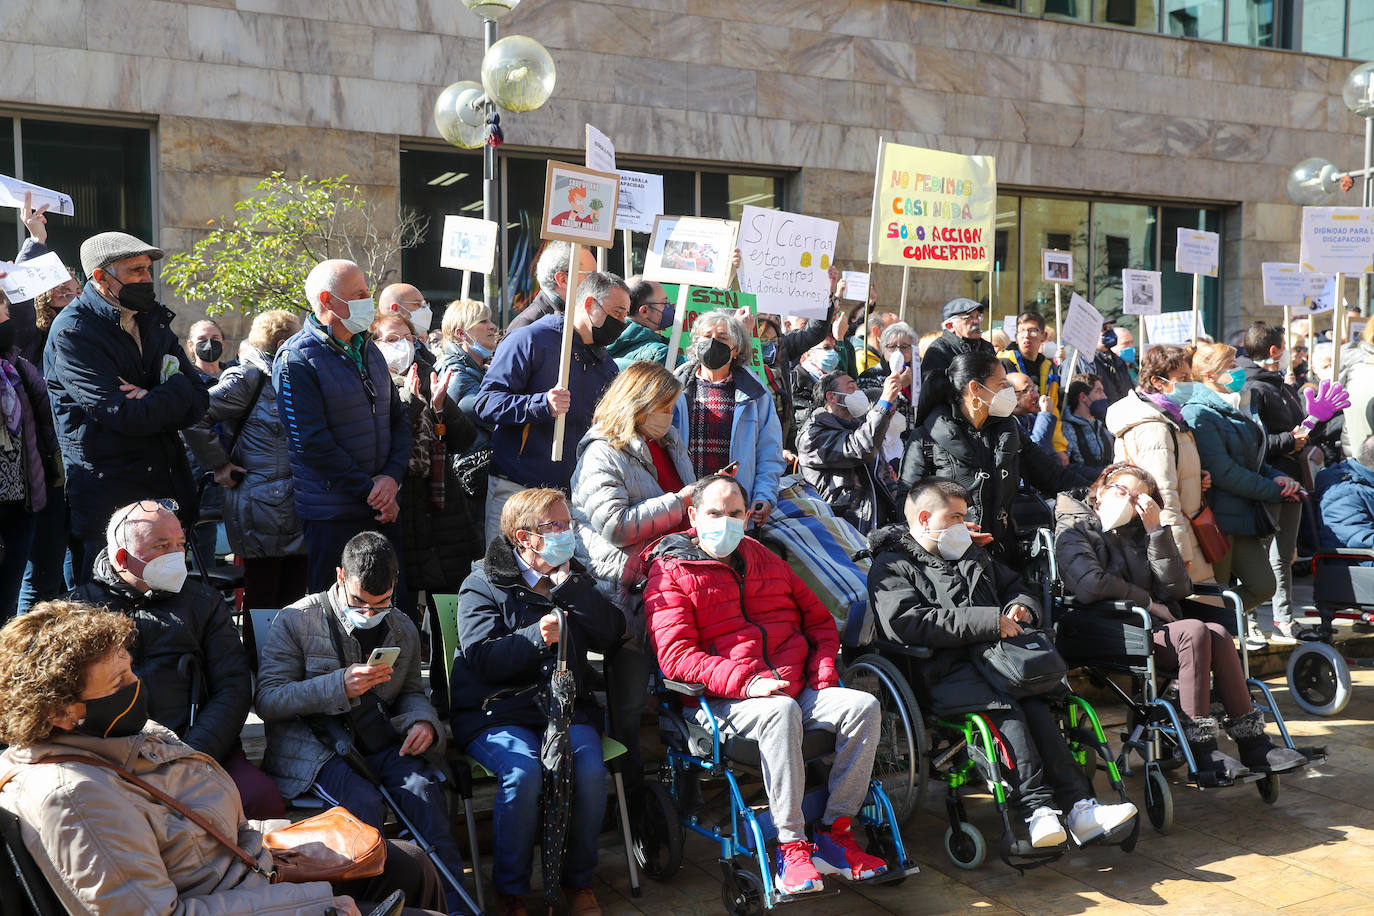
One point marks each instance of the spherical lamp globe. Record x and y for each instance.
(518, 73)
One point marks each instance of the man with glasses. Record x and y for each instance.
(346, 432)
(1026, 356)
(188, 652)
(315, 662)
(962, 320)
(122, 388)
(552, 273)
(1033, 412)
(521, 397)
(650, 313)
(407, 301)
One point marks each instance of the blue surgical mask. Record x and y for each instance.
(769, 350)
(1182, 393)
(828, 360)
(558, 548)
(480, 350)
(362, 621)
(1235, 381)
(1128, 354)
(1098, 409)
(719, 535)
(360, 315)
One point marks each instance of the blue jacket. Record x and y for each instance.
(119, 449)
(338, 442)
(1345, 492)
(1232, 448)
(514, 400)
(466, 382)
(755, 434)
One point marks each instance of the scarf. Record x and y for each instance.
(1166, 406)
(10, 406)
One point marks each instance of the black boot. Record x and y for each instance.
(1256, 750)
(1202, 740)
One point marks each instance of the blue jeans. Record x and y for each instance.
(324, 545)
(412, 783)
(512, 753)
(43, 576)
(16, 533)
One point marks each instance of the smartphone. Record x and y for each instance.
(384, 655)
(730, 469)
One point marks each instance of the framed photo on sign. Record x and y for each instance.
(691, 249)
(1056, 266)
(579, 205)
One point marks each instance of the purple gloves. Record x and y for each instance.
(1324, 403)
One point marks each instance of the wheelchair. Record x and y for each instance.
(1155, 729)
(962, 751)
(712, 782)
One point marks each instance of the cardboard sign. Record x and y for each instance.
(12, 192)
(1170, 328)
(579, 205)
(700, 301)
(1009, 326)
(784, 260)
(1082, 327)
(600, 151)
(1056, 266)
(933, 209)
(1337, 240)
(29, 278)
(1323, 298)
(1198, 252)
(691, 249)
(468, 244)
(1289, 285)
(1140, 292)
(855, 285)
(641, 199)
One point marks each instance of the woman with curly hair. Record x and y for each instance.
(75, 715)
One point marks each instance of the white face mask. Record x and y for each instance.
(952, 542)
(360, 315)
(399, 354)
(1002, 403)
(1114, 510)
(422, 318)
(719, 535)
(362, 621)
(856, 402)
(166, 573)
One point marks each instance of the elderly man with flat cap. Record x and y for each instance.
(121, 387)
(962, 320)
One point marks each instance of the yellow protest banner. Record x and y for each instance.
(933, 209)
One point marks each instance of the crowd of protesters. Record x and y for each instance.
(358, 466)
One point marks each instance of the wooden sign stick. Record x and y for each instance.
(1337, 327)
(906, 277)
(629, 254)
(565, 357)
(670, 360)
(467, 284)
(1197, 308)
(601, 259)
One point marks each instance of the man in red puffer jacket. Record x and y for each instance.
(726, 613)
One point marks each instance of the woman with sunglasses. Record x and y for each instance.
(1113, 546)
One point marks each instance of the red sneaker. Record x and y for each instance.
(838, 853)
(796, 873)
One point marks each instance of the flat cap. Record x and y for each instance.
(105, 248)
(960, 306)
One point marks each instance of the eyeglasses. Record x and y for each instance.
(1029, 390)
(145, 505)
(554, 527)
(1118, 488)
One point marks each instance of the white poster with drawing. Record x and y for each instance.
(12, 192)
(469, 244)
(1140, 292)
(640, 201)
(27, 279)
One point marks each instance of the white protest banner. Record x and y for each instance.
(1140, 292)
(855, 285)
(12, 192)
(932, 209)
(1082, 327)
(600, 151)
(1323, 296)
(29, 278)
(784, 260)
(1198, 252)
(641, 199)
(1170, 328)
(469, 244)
(1337, 240)
(1286, 284)
(1009, 326)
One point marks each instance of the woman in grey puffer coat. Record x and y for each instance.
(632, 485)
(259, 506)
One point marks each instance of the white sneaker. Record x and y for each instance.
(1089, 820)
(1045, 828)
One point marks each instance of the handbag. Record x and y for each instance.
(1211, 540)
(1026, 665)
(472, 470)
(332, 846)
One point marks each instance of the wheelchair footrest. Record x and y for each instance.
(781, 898)
(1316, 756)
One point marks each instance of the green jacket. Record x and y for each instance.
(638, 343)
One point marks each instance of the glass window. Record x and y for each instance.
(1123, 238)
(724, 196)
(106, 170)
(1052, 223)
(1079, 10)
(1195, 18)
(10, 227)
(1134, 14)
(1361, 30)
(1006, 258)
(436, 184)
(1251, 23)
(1177, 288)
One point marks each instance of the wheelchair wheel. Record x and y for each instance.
(742, 894)
(1269, 788)
(655, 831)
(1319, 678)
(1159, 801)
(899, 764)
(967, 848)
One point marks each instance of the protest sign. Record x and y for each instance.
(1198, 252)
(1056, 266)
(1140, 292)
(1337, 240)
(12, 192)
(855, 285)
(600, 151)
(1323, 297)
(691, 249)
(701, 300)
(1082, 327)
(1009, 326)
(468, 244)
(641, 199)
(29, 278)
(932, 209)
(784, 260)
(1288, 285)
(579, 205)
(1170, 328)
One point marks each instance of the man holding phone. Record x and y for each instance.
(346, 653)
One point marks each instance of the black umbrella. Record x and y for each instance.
(555, 756)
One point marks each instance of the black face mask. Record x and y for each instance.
(137, 297)
(1109, 338)
(610, 329)
(7, 331)
(1098, 409)
(713, 354)
(209, 350)
(119, 715)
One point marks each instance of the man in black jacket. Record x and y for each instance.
(962, 320)
(122, 387)
(552, 273)
(188, 653)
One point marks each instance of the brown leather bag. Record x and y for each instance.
(1211, 540)
(332, 846)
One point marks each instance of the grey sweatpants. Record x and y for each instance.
(1281, 552)
(777, 723)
